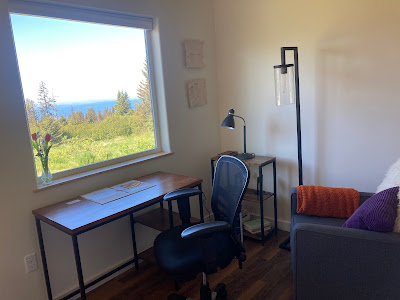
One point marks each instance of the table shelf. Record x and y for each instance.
(257, 236)
(158, 219)
(251, 196)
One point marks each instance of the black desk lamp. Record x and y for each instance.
(229, 122)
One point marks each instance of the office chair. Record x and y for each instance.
(186, 250)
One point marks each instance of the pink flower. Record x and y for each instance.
(47, 137)
(34, 136)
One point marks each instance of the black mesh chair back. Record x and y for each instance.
(230, 181)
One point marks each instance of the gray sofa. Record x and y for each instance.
(331, 262)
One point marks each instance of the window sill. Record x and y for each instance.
(87, 174)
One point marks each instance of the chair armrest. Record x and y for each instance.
(181, 193)
(205, 229)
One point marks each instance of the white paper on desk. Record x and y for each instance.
(105, 195)
(132, 187)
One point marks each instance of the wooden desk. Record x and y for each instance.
(76, 216)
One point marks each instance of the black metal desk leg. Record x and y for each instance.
(261, 195)
(275, 197)
(201, 203)
(44, 261)
(171, 219)
(134, 241)
(79, 267)
(212, 172)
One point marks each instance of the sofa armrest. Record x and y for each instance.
(293, 199)
(345, 263)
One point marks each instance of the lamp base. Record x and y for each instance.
(246, 155)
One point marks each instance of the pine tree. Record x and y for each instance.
(53, 100)
(30, 107)
(107, 112)
(99, 116)
(122, 105)
(91, 116)
(49, 125)
(76, 117)
(143, 105)
(47, 104)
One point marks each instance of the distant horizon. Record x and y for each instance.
(64, 109)
(86, 101)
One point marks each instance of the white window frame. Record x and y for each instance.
(104, 17)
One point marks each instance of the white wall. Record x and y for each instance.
(194, 138)
(348, 56)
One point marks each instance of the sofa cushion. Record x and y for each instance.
(297, 219)
(378, 213)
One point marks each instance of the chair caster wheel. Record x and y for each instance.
(221, 291)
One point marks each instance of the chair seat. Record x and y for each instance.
(183, 259)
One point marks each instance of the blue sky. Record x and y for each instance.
(79, 61)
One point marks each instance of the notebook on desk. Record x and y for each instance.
(116, 192)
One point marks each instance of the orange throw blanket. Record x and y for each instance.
(326, 201)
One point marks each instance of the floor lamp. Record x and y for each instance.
(287, 91)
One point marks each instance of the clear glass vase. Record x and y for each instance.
(46, 177)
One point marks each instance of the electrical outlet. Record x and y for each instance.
(30, 262)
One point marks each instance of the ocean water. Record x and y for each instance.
(66, 109)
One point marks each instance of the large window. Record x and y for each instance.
(86, 83)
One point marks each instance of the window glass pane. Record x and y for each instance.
(88, 86)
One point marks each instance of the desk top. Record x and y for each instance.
(85, 214)
(256, 161)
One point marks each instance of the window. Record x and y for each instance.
(86, 80)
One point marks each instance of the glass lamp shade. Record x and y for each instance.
(284, 84)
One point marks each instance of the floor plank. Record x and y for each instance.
(266, 274)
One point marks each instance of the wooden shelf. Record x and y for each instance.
(257, 236)
(251, 196)
(158, 219)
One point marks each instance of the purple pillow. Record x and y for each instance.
(378, 213)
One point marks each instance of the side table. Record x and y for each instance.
(258, 195)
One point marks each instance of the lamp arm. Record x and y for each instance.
(240, 118)
(244, 132)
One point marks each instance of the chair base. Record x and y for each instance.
(219, 293)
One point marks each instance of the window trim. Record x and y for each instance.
(103, 17)
(79, 13)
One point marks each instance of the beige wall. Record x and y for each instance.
(348, 77)
(194, 138)
(349, 84)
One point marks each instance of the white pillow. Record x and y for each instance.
(392, 179)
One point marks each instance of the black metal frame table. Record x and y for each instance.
(66, 217)
(258, 195)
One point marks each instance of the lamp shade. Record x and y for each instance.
(284, 84)
(229, 122)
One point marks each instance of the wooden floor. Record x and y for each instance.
(266, 274)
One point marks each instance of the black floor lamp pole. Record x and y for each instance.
(285, 243)
(297, 87)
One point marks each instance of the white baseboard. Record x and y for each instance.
(282, 225)
(101, 282)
